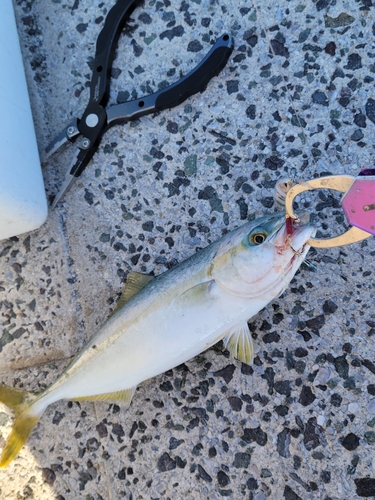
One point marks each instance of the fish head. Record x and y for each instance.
(264, 257)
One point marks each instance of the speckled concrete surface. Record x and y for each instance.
(300, 423)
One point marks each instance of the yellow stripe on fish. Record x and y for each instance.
(161, 322)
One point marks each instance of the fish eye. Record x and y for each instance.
(258, 237)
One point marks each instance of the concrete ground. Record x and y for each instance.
(300, 423)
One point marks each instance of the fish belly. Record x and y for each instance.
(159, 341)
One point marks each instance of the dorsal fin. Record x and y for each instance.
(134, 284)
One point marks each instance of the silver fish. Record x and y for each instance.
(164, 321)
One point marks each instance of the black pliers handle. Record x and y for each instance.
(96, 119)
(105, 49)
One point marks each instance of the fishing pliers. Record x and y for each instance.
(87, 131)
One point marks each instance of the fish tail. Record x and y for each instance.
(21, 403)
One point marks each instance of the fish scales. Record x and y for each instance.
(173, 317)
(128, 322)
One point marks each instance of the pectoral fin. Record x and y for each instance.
(124, 397)
(134, 284)
(197, 296)
(239, 343)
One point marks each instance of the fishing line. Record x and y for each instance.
(307, 148)
(284, 184)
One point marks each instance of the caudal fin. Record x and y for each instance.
(20, 402)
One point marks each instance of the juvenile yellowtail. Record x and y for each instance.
(162, 322)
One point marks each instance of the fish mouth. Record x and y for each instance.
(294, 235)
(298, 243)
(298, 240)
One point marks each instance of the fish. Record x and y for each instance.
(161, 322)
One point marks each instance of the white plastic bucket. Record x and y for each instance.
(23, 205)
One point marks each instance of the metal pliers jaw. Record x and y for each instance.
(87, 131)
(358, 204)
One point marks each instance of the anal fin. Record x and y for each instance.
(239, 343)
(124, 397)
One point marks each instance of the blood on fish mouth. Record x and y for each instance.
(289, 225)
